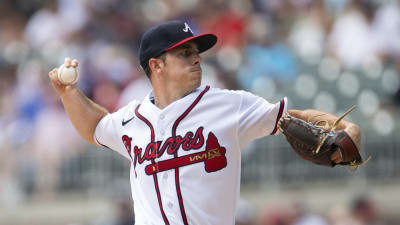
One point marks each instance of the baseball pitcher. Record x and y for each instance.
(184, 139)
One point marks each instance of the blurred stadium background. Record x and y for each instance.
(323, 54)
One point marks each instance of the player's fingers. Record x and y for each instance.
(337, 156)
(74, 63)
(67, 62)
(53, 74)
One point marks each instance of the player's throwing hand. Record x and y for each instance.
(56, 78)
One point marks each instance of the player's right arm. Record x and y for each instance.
(83, 112)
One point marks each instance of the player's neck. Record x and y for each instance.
(164, 95)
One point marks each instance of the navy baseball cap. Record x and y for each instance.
(169, 35)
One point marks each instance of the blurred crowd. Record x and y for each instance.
(263, 46)
(362, 210)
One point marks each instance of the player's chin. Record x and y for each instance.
(196, 74)
(196, 80)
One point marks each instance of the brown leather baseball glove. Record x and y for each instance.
(317, 143)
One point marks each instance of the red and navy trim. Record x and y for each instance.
(174, 127)
(105, 146)
(281, 108)
(184, 41)
(147, 122)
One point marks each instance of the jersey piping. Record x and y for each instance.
(174, 127)
(281, 108)
(177, 184)
(147, 122)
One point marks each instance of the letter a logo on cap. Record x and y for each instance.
(187, 28)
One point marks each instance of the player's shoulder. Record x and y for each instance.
(214, 91)
(229, 96)
(236, 96)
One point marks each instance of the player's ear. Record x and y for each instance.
(155, 65)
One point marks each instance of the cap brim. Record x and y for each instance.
(204, 42)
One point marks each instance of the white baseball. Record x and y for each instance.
(68, 75)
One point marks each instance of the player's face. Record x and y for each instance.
(182, 65)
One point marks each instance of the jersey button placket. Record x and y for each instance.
(170, 205)
(171, 209)
(167, 179)
(161, 125)
(173, 212)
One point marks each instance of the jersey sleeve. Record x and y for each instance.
(107, 133)
(258, 117)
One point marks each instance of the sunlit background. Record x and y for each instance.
(322, 54)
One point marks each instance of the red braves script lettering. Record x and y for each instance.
(156, 149)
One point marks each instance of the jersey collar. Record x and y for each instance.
(149, 108)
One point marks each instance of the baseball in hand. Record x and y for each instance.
(68, 75)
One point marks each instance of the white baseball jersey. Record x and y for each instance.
(186, 157)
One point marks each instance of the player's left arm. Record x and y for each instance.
(313, 116)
